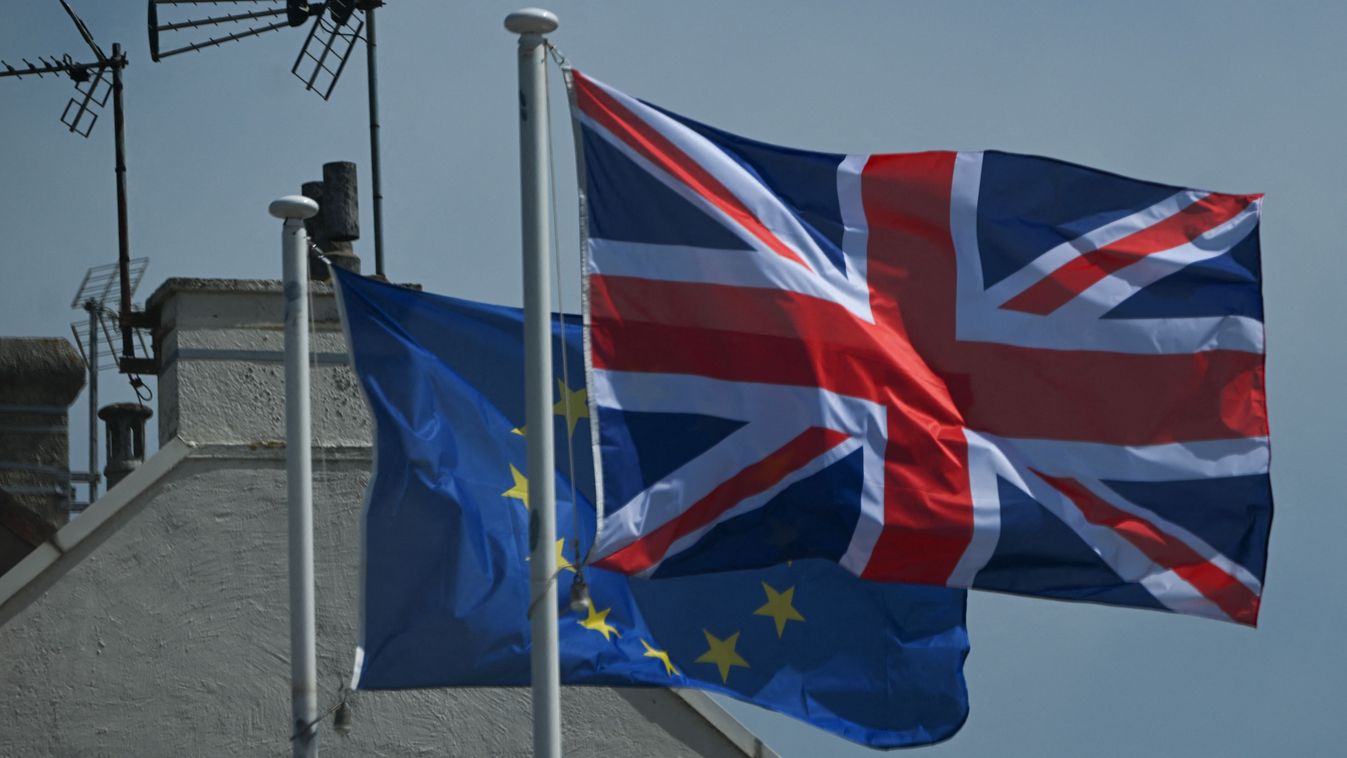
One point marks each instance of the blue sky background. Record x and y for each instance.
(1230, 96)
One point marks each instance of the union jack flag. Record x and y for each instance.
(974, 369)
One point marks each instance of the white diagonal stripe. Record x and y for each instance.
(1107, 293)
(1103, 236)
(980, 317)
(847, 287)
(774, 415)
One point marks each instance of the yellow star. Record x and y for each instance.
(779, 608)
(573, 405)
(598, 622)
(662, 657)
(521, 431)
(721, 652)
(562, 563)
(520, 490)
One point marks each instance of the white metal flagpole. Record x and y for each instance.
(536, 179)
(299, 472)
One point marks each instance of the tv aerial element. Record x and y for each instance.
(99, 295)
(294, 13)
(94, 82)
(337, 26)
(327, 48)
(95, 89)
(92, 85)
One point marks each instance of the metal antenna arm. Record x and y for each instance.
(84, 32)
(64, 67)
(213, 41)
(215, 20)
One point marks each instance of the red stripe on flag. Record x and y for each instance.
(754, 479)
(1225, 591)
(872, 371)
(742, 334)
(775, 336)
(1110, 398)
(928, 505)
(1079, 274)
(656, 148)
(768, 311)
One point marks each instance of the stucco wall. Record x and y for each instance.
(221, 348)
(171, 638)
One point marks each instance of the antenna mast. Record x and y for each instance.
(372, 69)
(101, 302)
(92, 87)
(322, 58)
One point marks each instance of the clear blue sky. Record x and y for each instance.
(1231, 96)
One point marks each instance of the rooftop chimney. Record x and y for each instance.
(39, 379)
(337, 224)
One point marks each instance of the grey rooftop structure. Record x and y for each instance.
(39, 379)
(156, 622)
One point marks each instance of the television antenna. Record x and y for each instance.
(94, 82)
(99, 295)
(337, 26)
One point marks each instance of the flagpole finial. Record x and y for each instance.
(532, 21)
(293, 206)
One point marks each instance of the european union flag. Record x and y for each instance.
(446, 583)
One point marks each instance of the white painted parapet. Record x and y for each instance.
(220, 347)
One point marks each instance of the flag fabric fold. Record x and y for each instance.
(445, 575)
(971, 369)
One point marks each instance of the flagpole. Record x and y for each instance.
(535, 177)
(298, 472)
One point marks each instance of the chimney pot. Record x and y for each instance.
(341, 204)
(337, 224)
(126, 438)
(313, 225)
